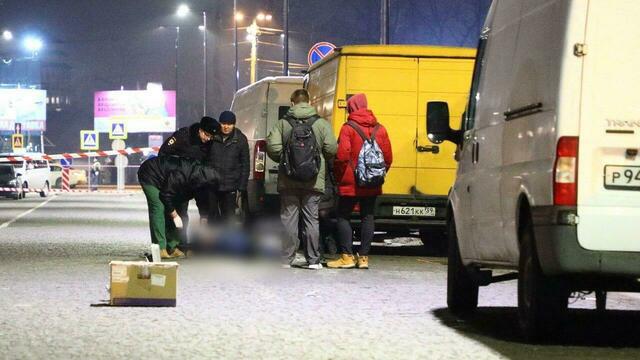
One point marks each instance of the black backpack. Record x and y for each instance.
(301, 155)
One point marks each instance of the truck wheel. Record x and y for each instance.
(462, 290)
(45, 191)
(542, 300)
(601, 300)
(434, 240)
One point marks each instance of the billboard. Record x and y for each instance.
(27, 107)
(151, 110)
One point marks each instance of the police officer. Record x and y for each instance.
(191, 142)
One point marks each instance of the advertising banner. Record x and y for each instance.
(27, 107)
(139, 110)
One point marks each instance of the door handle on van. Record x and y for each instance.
(433, 149)
(475, 152)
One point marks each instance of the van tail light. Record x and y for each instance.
(259, 159)
(565, 173)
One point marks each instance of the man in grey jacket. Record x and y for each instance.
(299, 200)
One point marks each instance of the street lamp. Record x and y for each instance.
(182, 11)
(33, 44)
(7, 35)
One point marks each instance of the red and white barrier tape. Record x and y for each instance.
(11, 189)
(81, 155)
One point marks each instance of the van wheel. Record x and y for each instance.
(58, 184)
(462, 290)
(25, 189)
(434, 240)
(601, 300)
(542, 300)
(45, 191)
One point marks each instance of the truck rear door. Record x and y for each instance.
(609, 164)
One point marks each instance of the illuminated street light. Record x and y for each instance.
(183, 10)
(33, 44)
(201, 27)
(7, 35)
(239, 16)
(261, 17)
(268, 17)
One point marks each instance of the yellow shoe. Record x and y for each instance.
(164, 254)
(177, 254)
(345, 261)
(363, 262)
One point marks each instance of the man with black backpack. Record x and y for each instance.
(301, 142)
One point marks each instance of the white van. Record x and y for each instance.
(548, 182)
(34, 173)
(258, 107)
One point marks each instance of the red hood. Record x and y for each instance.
(364, 118)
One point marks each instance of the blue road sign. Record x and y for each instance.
(319, 51)
(89, 140)
(66, 163)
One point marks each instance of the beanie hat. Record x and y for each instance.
(210, 125)
(227, 117)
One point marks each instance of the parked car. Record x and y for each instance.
(10, 180)
(548, 180)
(76, 177)
(34, 174)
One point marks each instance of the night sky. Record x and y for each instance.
(94, 45)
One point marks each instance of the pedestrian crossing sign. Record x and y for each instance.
(118, 131)
(17, 142)
(89, 140)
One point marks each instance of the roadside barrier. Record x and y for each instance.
(80, 155)
(30, 190)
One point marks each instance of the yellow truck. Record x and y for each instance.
(399, 81)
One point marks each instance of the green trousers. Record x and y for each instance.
(163, 231)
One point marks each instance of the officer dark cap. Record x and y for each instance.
(210, 125)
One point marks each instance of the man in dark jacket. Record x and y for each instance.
(192, 143)
(167, 181)
(229, 155)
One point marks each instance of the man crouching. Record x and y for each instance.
(167, 181)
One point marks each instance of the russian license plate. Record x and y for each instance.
(414, 211)
(622, 177)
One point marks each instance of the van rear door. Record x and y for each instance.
(609, 164)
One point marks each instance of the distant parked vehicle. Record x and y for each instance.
(10, 180)
(34, 174)
(76, 177)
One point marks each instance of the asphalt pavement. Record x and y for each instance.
(54, 259)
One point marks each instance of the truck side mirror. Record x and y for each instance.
(438, 129)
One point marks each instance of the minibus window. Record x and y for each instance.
(282, 111)
(477, 71)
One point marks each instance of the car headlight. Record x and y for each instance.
(13, 183)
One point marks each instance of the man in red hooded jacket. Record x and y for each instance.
(349, 145)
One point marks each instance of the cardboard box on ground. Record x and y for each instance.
(139, 283)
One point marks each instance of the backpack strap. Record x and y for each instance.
(359, 131)
(293, 121)
(374, 131)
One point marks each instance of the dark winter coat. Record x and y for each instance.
(231, 160)
(179, 180)
(349, 145)
(185, 143)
